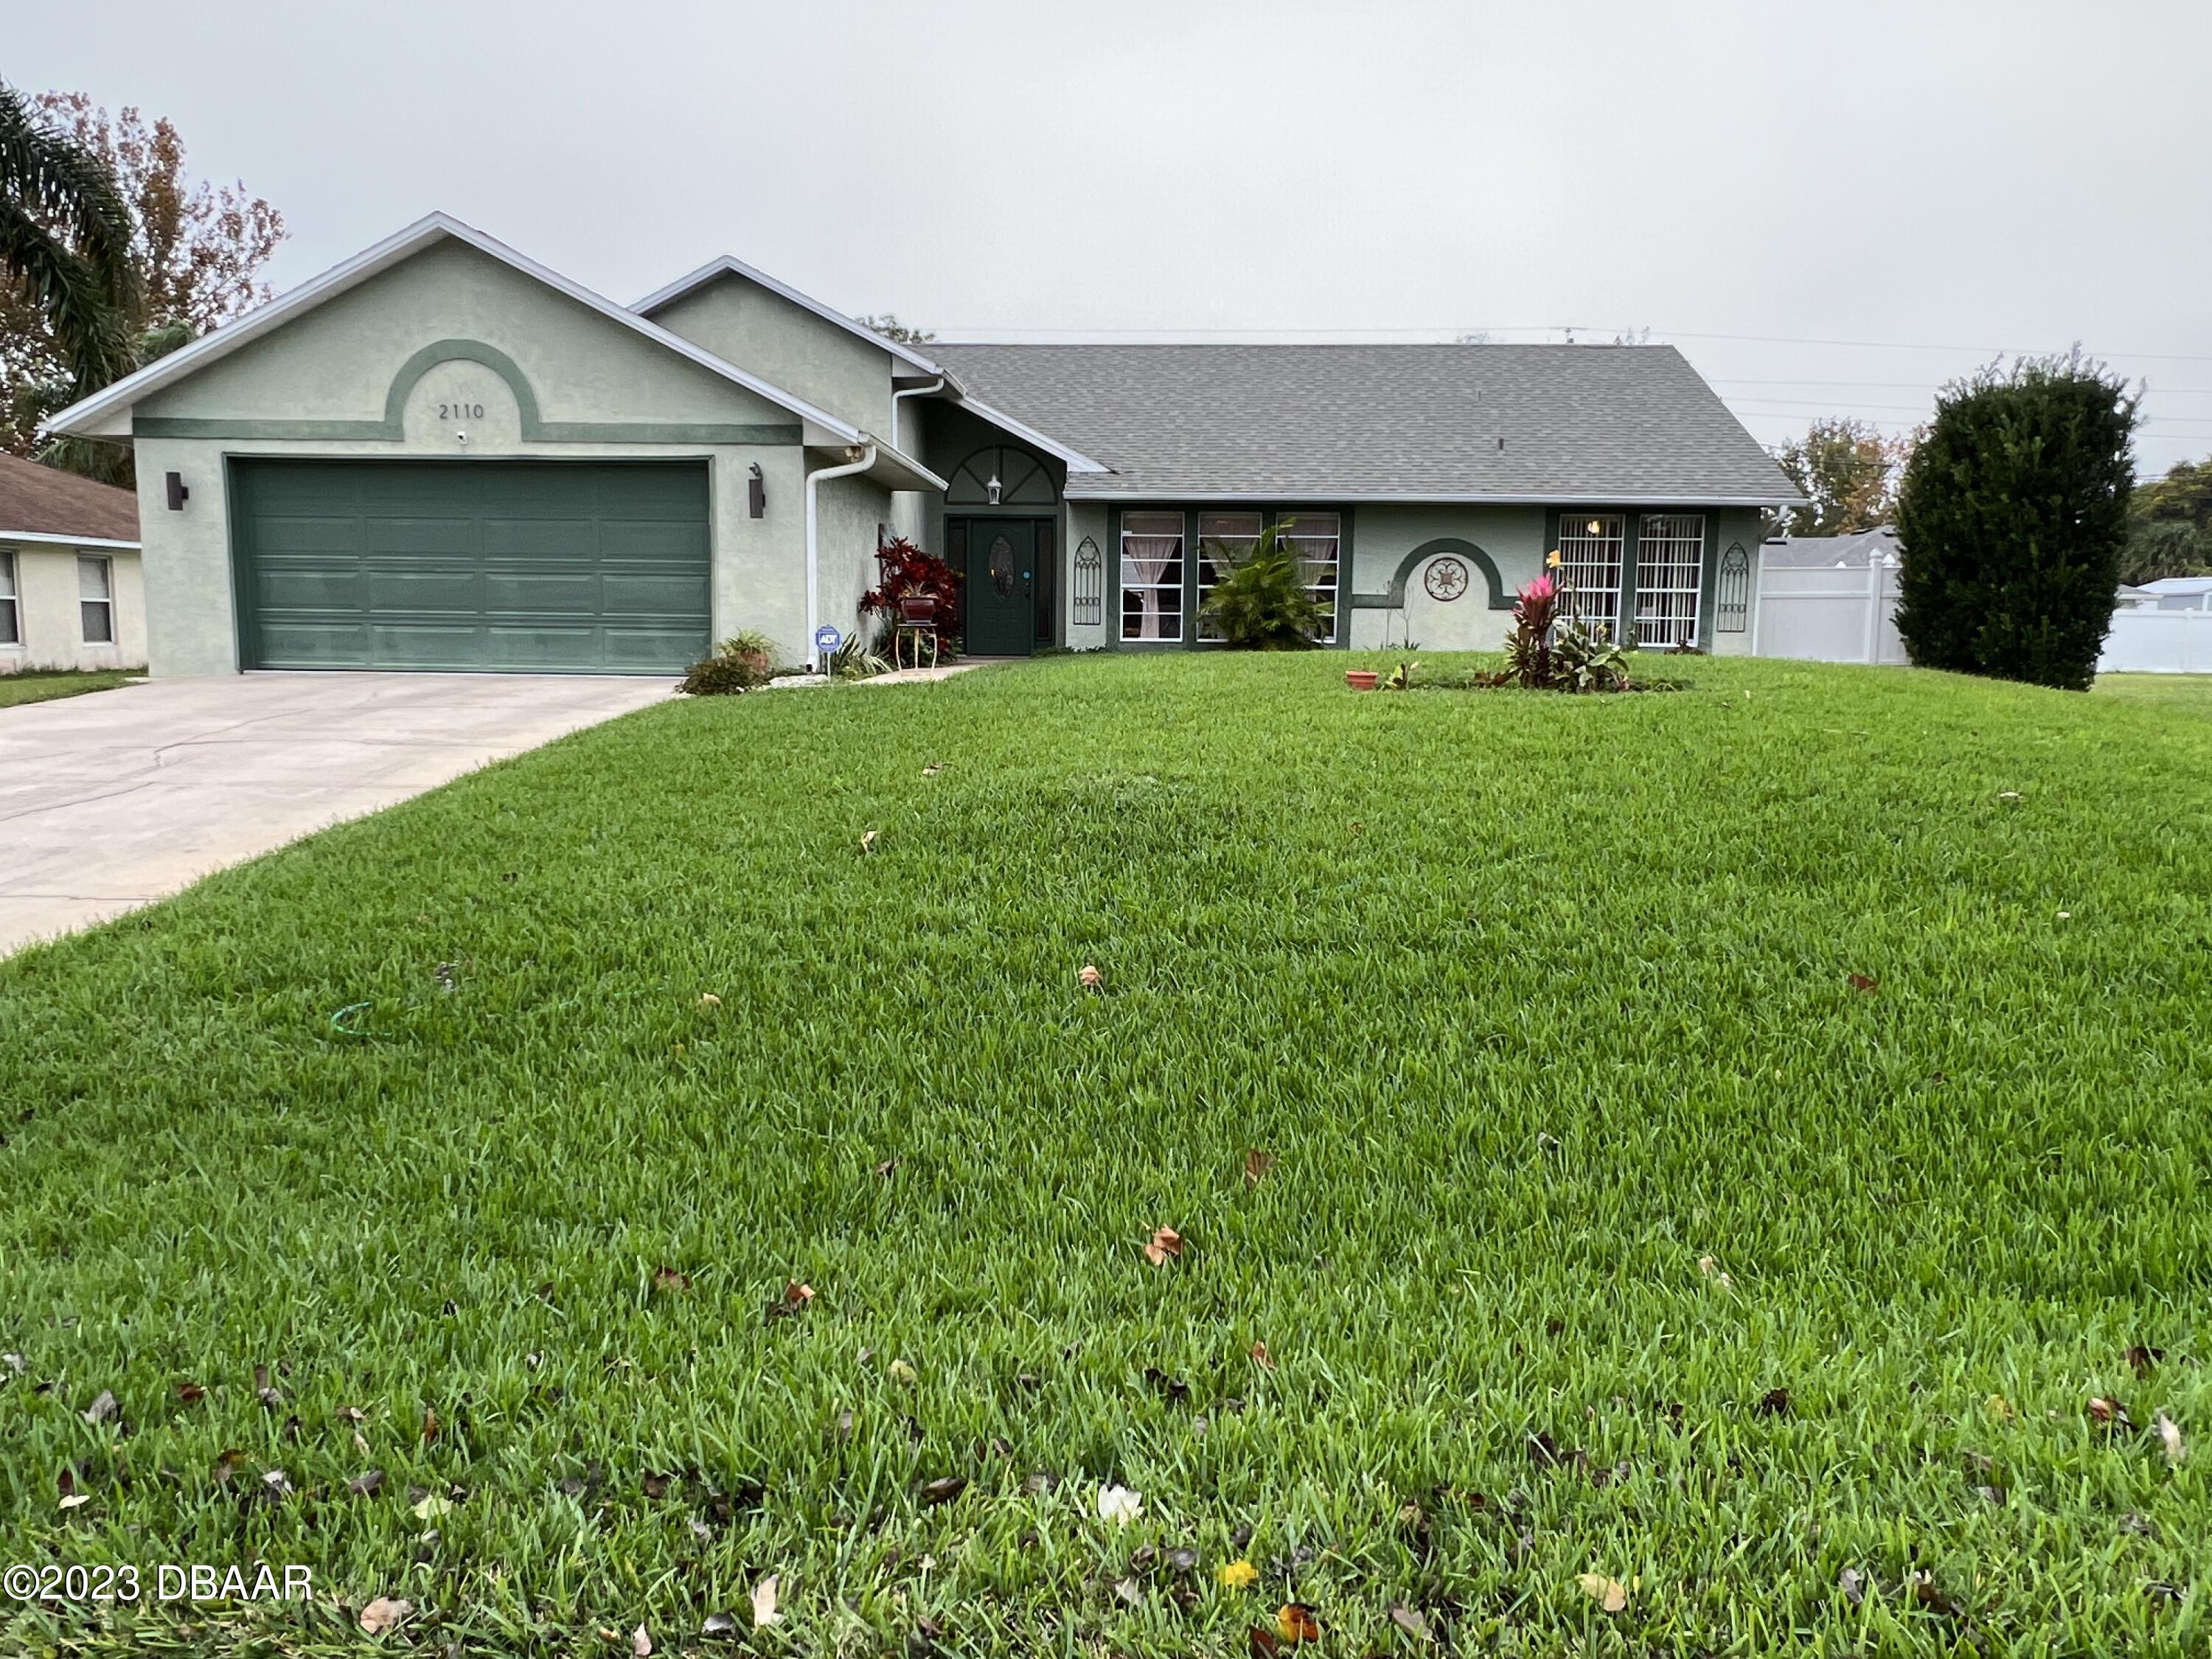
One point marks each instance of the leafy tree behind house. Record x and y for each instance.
(194, 253)
(68, 278)
(1849, 471)
(2170, 525)
(891, 328)
(2010, 521)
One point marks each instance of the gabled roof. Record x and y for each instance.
(1596, 424)
(728, 265)
(46, 504)
(92, 416)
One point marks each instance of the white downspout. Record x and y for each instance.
(937, 385)
(867, 458)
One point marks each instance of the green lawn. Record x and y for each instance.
(44, 685)
(2183, 692)
(1613, 1227)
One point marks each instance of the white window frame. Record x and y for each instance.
(1591, 561)
(1250, 526)
(104, 600)
(11, 602)
(1152, 526)
(1303, 542)
(1670, 576)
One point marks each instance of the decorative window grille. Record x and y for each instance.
(1316, 538)
(11, 624)
(1232, 534)
(95, 599)
(1020, 479)
(1151, 576)
(1591, 549)
(1090, 587)
(1732, 590)
(1670, 561)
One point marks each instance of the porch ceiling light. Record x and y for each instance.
(1595, 527)
(994, 487)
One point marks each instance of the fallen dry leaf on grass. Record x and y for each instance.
(2141, 1359)
(933, 768)
(1610, 1594)
(76, 1499)
(1406, 1620)
(667, 1279)
(944, 1489)
(381, 1615)
(1256, 1165)
(641, 1643)
(1167, 1243)
(191, 1393)
(366, 1485)
(2109, 1413)
(2169, 1434)
(868, 842)
(1090, 976)
(708, 1000)
(103, 1408)
(1237, 1574)
(1295, 1623)
(764, 1595)
(430, 1425)
(1862, 984)
(1711, 1269)
(1261, 1357)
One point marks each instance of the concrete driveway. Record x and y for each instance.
(115, 799)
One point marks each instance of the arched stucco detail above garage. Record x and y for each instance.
(474, 351)
(1394, 599)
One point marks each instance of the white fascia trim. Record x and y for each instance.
(351, 273)
(728, 265)
(889, 453)
(1076, 460)
(47, 537)
(1357, 498)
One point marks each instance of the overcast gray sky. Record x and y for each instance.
(1829, 209)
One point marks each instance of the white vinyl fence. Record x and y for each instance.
(2158, 643)
(1827, 614)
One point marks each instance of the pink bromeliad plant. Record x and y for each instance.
(1548, 652)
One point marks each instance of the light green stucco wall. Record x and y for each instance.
(1747, 526)
(1513, 536)
(1087, 519)
(339, 364)
(850, 508)
(789, 347)
(338, 360)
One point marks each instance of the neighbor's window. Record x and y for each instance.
(1234, 532)
(1151, 576)
(1314, 538)
(1591, 546)
(1670, 562)
(95, 596)
(11, 625)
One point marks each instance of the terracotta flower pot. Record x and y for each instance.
(1359, 679)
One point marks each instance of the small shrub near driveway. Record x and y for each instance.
(744, 663)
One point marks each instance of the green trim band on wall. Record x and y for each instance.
(1395, 598)
(392, 427)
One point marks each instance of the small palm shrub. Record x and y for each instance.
(1264, 603)
(743, 663)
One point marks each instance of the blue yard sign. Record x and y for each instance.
(827, 638)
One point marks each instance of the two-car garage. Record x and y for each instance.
(538, 566)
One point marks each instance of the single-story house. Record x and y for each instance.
(440, 454)
(69, 595)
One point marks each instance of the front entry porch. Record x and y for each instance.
(1006, 564)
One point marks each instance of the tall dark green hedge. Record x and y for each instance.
(2011, 521)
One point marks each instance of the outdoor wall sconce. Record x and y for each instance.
(756, 493)
(994, 487)
(178, 494)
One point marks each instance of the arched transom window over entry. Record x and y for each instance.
(1001, 476)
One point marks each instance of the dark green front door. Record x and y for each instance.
(545, 566)
(1000, 591)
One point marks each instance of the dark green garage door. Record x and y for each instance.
(544, 566)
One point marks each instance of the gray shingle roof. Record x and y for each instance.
(1632, 424)
(1857, 551)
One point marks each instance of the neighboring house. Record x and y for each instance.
(70, 592)
(2177, 593)
(1829, 598)
(439, 454)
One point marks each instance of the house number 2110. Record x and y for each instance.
(460, 411)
